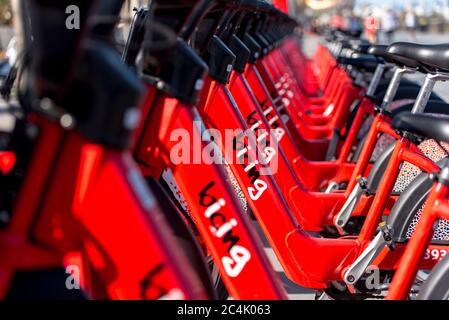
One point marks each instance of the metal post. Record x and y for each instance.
(375, 80)
(424, 94)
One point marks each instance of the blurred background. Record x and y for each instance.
(382, 21)
(424, 21)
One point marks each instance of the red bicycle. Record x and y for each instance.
(233, 113)
(75, 198)
(283, 253)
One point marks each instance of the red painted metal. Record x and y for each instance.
(203, 183)
(81, 198)
(409, 264)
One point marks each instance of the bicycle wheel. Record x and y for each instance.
(436, 286)
(182, 228)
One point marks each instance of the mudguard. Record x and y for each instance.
(384, 83)
(436, 286)
(433, 106)
(403, 213)
(378, 169)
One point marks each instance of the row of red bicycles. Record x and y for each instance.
(143, 172)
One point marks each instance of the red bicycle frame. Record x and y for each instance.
(436, 207)
(324, 113)
(312, 174)
(285, 177)
(223, 226)
(83, 204)
(328, 264)
(281, 5)
(311, 148)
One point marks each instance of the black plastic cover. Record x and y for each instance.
(180, 72)
(220, 60)
(54, 47)
(241, 52)
(105, 96)
(253, 46)
(263, 43)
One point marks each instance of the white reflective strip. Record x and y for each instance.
(329, 110)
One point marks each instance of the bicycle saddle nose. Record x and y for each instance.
(434, 126)
(360, 45)
(357, 33)
(433, 56)
(380, 51)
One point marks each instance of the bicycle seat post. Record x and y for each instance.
(394, 85)
(426, 90)
(374, 83)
